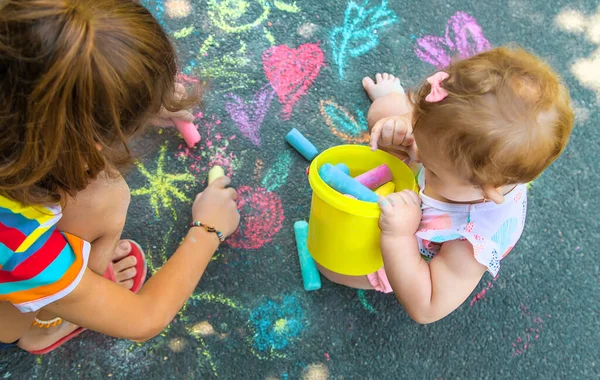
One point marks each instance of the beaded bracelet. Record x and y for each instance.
(208, 228)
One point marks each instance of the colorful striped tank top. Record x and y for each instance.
(38, 263)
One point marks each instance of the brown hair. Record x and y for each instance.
(506, 118)
(77, 79)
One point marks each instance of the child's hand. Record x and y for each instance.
(400, 213)
(216, 207)
(165, 118)
(396, 133)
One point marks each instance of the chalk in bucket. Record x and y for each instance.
(343, 233)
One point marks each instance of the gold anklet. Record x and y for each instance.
(47, 324)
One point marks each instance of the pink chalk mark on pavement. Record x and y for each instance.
(249, 116)
(530, 334)
(262, 218)
(479, 296)
(213, 150)
(291, 72)
(463, 37)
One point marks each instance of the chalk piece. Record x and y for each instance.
(301, 144)
(343, 167)
(375, 177)
(385, 190)
(188, 131)
(310, 274)
(345, 184)
(214, 173)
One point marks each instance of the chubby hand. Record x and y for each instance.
(395, 133)
(400, 213)
(165, 117)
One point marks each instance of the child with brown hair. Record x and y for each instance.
(482, 128)
(78, 78)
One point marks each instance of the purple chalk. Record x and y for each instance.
(375, 177)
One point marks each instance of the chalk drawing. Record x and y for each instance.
(227, 72)
(291, 72)
(277, 175)
(584, 69)
(282, 6)
(481, 294)
(463, 38)
(249, 117)
(258, 167)
(276, 326)
(350, 128)
(163, 187)
(212, 150)
(262, 218)
(362, 297)
(238, 16)
(526, 340)
(360, 32)
(184, 32)
(235, 16)
(158, 11)
(178, 8)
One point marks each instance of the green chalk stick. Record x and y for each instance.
(310, 274)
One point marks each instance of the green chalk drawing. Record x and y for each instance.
(362, 297)
(292, 8)
(185, 32)
(277, 175)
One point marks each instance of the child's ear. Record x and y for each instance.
(493, 194)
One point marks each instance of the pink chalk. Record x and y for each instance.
(375, 177)
(188, 130)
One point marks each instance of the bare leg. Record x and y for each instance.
(97, 214)
(358, 282)
(388, 98)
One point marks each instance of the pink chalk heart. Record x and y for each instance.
(291, 72)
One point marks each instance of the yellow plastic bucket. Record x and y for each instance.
(343, 233)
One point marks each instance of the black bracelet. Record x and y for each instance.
(208, 228)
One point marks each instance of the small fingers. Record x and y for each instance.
(376, 134)
(385, 206)
(396, 199)
(410, 197)
(387, 132)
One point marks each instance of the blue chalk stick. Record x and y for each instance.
(343, 167)
(301, 144)
(345, 184)
(310, 274)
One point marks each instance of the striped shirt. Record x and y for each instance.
(38, 263)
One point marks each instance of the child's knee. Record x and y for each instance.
(393, 104)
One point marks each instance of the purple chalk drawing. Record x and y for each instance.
(464, 38)
(249, 117)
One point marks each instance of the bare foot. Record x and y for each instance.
(124, 265)
(37, 338)
(386, 84)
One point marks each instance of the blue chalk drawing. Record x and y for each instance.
(276, 326)
(158, 11)
(360, 32)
